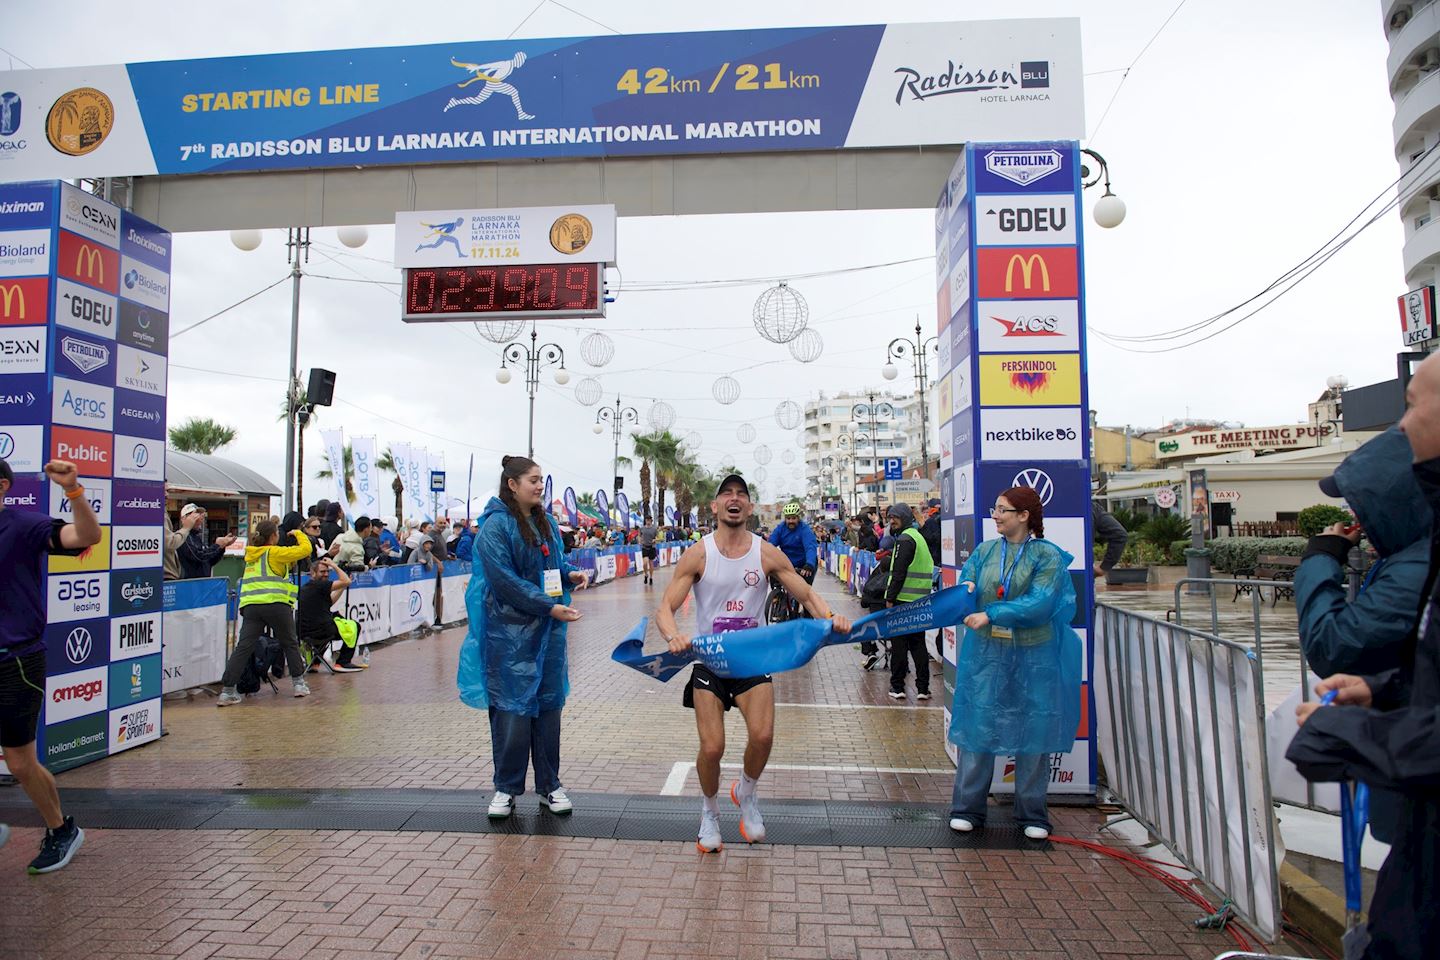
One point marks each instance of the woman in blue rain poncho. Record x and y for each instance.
(1017, 679)
(513, 660)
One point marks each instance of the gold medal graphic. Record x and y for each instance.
(80, 121)
(571, 233)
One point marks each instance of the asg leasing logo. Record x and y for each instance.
(492, 76)
(87, 357)
(1024, 167)
(78, 644)
(1037, 480)
(958, 78)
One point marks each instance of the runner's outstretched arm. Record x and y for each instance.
(687, 571)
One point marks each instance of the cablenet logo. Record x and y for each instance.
(78, 645)
(1024, 167)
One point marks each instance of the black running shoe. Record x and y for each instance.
(58, 848)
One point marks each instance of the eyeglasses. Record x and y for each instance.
(312, 526)
(999, 509)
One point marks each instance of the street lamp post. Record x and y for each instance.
(872, 411)
(844, 442)
(534, 357)
(617, 416)
(917, 352)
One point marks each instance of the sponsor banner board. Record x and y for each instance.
(82, 357)
(76, 646)
(75, 403)
(144, 327)
(138, 503)
(133, 725)
(140, 414)
(135, 636)
(1028, 326)
(1063, 488)
(24, 301)
(23, 399)
(144, 284)
(134, 681)
(1067, 533)
(142, 240)
(69, 744)
(1025, 220)
(135, 548)
(1024, 167)
(87, 262)
(23, 447)
(25, 253)
(89, 216)
(22, 350)
(1069, 772)
(77, 596)
(448, 238)
(90, 450)
(26, 206)
(1032, 273)
(135, 591)
(782, 89)
(1027, 379)
(139, 458)
(140, 370)
(92, 558)
(75, 694)
(81, 308)
(1031, 433)
(26, 493)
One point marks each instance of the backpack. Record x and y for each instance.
(872, 594)
(268, 661)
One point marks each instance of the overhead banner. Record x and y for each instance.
(451, 238)
(807, 88)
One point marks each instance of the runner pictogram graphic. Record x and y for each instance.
(493, 75)
(444, 232)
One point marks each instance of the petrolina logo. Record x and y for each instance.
(87, 357)
(1024, 167)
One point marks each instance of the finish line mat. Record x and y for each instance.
(598, 815)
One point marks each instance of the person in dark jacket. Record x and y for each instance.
(1112, 533)
(911, 577)
(1385, 729)
(930, 529)
(865, 538)
(198, 558)
(333, 525)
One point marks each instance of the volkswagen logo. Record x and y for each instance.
(1037, 480)
(77, 645)
(141, 455)
(7, 445)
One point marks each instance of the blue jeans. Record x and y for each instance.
(972, 788)
(518, 742)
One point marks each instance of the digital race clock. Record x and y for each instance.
(531, 291)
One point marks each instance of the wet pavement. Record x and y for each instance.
(339, 892)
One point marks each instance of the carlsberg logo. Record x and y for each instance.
(137, 591)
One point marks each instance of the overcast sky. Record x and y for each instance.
(1245, 136)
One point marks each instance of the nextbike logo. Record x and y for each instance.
(1031, 434)
(1023, 326)
(81, 404)
(145, 284)
(1024, 167)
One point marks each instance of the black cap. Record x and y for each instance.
(728, 477)
(1331, 488)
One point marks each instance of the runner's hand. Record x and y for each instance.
(839, 624)
(968, 586)
(679, 643)
(1349, 691)
(565, 614)
(63, 472)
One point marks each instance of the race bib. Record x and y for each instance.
(731, 624)
(552, 584)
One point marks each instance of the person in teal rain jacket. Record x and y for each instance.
(1017, 679)
(513, 661)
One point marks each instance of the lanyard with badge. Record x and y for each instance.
(551, 575)
(996, 631)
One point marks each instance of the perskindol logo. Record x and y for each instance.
(1032, 376)
(1024, 167)
(954, 78)
(87, 357)
(141, 240)
(80, 691)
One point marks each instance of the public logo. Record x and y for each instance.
(89, 450)
(1037, 480)
(953, 78)
(10, 105)
(1027, 272)
(86, 356)
(492, 76)
(80, 121)
(78, 645)
(571, 233)
(1024, 167)
(23, 301)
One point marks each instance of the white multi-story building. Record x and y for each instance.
(841, 446)
(1412, 28)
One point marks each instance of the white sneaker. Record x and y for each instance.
(961, 825)
(897, 694)
(501, 805)
(709, 839)
(557, 801)
(922, 696)
(752, 828)
(301, 688)
(1037, 833)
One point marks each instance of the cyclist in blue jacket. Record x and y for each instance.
(797, 541)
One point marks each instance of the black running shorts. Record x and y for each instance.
(22, 694)
(649, 552)
(727, 690)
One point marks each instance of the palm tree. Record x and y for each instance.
(687, 472)
(646, 445)
(328, 474)
(587, 500)
(304, 415)
(201, 435)
(386, 461)
(666, 459)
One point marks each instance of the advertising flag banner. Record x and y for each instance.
(572, 509)
(367, 477)
(602, 500)
(548, 497)
(622, 503)
(417, 483)
(400, 453)
(334, 443)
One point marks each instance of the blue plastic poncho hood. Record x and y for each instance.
(1379, 485)
(514, 654)
(1019, 695)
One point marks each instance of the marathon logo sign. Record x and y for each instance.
(138, 370)
(1025, 433)
(22, 398)
(87, 262)
(79, 404)
(134, 548)
(97, 492)
(24, 302)
(144, 327)
(134, 592)
(81, 308)
(24, 253)
(134, 725)
(144, 284)
(22, 349)
(78, 596)
(140, 414)
(139, 504)
(144, 241)
(23, 447)
(1025, 220)
(82, 358)
(71, 695)
(137, 636)
(89, 216)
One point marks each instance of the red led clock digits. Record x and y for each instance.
(558, 289)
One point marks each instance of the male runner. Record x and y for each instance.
(728, 570)
(648, 553)
(444, 232)
(25, 539)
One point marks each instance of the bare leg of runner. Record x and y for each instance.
(37, 782)
(710, 723)
(757, 706)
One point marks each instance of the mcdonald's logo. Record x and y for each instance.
(24, 302)
(1010, 273)
(88, 263)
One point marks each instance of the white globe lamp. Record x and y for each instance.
(246, 240)
(502, 375)
(353, 237)
(562, 376)
(1109, 211)
(597, 429)
(889, 371)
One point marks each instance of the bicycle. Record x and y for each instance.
(780, 606)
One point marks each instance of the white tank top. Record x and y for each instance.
(730, 595)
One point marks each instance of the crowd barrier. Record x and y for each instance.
(851, 566)
(194, 630)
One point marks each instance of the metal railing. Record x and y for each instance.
(1184, 716)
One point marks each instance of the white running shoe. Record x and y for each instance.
(557, 801)
(709, 839)
(299, 687)
(961, 825)
(501, 805)
(1037, 833)
(752, 828)
(897, 694)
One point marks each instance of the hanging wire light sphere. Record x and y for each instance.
(692, 441)
(661, 416)
(788, 415)
(726, 389)
(762, 454)
(780, 313)
(500, 331)
(597, 349)
(787, 456)
(800, 439)
(746, 433)
(807, 346)
(588, 391)
(759, 476)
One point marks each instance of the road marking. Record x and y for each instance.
(853, 706)
(680, 772)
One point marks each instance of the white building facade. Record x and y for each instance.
(1412, 28)
(841, 447)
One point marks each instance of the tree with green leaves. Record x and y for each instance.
(386, 461)
(666, 460)
(329, 474)
(201, 435)
(646, 446)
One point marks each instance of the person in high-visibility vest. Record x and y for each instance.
(911, 577)
(267, 599)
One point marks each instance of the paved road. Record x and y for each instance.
(339, 893)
